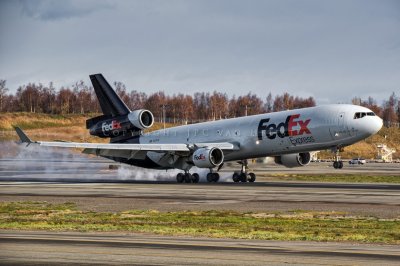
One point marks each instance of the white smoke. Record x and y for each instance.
(43, 163)
(48, 163)
(126, 172)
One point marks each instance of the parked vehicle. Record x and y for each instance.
(357, 161)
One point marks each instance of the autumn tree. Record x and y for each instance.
(389, 114)
(268, 103)
(28, 97)
(137, 100)
(288, 102)
(82, 97)
(3, 93)
(201, 104)
(48, 99)
(120, 89)
(218, 105)
(65, 98)
(155, 103)
(371, 104)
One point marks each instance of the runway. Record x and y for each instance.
(90, 184)
(19, 248)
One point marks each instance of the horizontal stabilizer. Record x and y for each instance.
(22, 136)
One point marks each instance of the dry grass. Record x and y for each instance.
(34, 121)
(293, 225)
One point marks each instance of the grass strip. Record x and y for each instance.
(295, 225)
(339, 178)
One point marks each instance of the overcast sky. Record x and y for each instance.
(331, 50)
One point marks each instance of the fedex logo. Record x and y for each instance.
(200, 157)
(111, 126)
(293, 126)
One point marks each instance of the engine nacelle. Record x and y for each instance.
(294, 159)
(141, 118)
(208, 157)
(108, 127)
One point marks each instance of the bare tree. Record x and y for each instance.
(389, 110)
(3, 92)
(269, 103)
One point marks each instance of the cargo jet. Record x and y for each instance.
(288, 136)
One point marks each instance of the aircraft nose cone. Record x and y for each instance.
(376, 125)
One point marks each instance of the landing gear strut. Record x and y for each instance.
(187, 177)
(338, 163)
(243, 175)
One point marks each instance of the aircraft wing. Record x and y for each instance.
(125, 150)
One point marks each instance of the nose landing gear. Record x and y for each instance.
(243, 175)
(338, 163)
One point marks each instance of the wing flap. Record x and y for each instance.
(221, 145)
(116, 146)
(116, 153)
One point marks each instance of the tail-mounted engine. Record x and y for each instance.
(110, 127)
(208, 157)
(294, 159)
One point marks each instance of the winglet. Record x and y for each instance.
(23, 137)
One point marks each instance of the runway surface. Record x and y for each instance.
(92, 186)
(90, 183)
(137, 249)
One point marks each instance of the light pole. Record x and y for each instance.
(164, 106)
(246, 107)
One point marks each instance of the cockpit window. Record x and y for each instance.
(362, 114)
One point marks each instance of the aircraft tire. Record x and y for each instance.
(340, 165)
(179, 178)
(215, 177)
(235, 177)
(252, 177)
(335, 165)
(195, 178)
(210, 177)
(188, 178)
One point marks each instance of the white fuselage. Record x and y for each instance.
(273, 134)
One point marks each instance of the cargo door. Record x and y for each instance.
(338, 128)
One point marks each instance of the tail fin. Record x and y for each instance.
(110, 103)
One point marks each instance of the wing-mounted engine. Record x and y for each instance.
(294, 159)
(208, 157)
(111, 127)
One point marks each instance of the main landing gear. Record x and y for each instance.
(212, 177)
(338, 163)
(187, 177)
(243, 175)
(195, 178)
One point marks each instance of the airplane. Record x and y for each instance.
(288, 136)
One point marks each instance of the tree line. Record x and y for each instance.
(80, 98)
